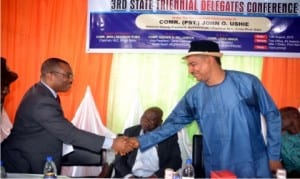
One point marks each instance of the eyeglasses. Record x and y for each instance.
(66, 75)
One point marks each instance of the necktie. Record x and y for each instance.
(58, 99)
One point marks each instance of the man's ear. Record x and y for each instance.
(211, 59)
(49, 79)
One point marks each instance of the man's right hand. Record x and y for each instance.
(123, 145)
(120, 145)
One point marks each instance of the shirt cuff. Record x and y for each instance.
(128, 175)
(107, 144)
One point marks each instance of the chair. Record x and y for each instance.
(81, 157)
(197, 156)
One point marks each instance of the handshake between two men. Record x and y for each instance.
(123, 144)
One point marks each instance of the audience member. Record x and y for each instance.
(226, 105)
(40, 127)
(290, 148)
(7, 77)
(152, 162)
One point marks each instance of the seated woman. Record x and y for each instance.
(290, 149)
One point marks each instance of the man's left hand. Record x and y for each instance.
(275, 165)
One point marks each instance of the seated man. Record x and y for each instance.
(152, 162)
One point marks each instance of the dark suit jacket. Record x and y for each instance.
(39, 130)
(168, 154)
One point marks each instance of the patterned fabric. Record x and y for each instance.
(290, 151)
(5, 125)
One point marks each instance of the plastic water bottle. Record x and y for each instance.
(188, 171)
(3, 171)
(50, 170)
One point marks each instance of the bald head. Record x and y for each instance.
(151, 119)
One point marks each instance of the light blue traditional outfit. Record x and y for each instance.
(228, 115)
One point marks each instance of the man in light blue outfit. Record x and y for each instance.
(227, 106)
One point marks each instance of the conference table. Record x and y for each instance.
(27, 175)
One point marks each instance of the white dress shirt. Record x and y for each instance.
(146, 163)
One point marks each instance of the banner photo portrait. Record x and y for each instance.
(258, 27)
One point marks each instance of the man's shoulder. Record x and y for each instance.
(38, 89)
(37, 94)
(132, 129)
(240, 75)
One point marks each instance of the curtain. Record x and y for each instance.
(153, 79)
(33, 30)
(281, 77)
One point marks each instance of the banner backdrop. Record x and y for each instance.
(257, 27)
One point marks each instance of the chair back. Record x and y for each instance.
(81, 157)
(197, 156)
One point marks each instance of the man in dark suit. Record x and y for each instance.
(153, 162)
(40, 127)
